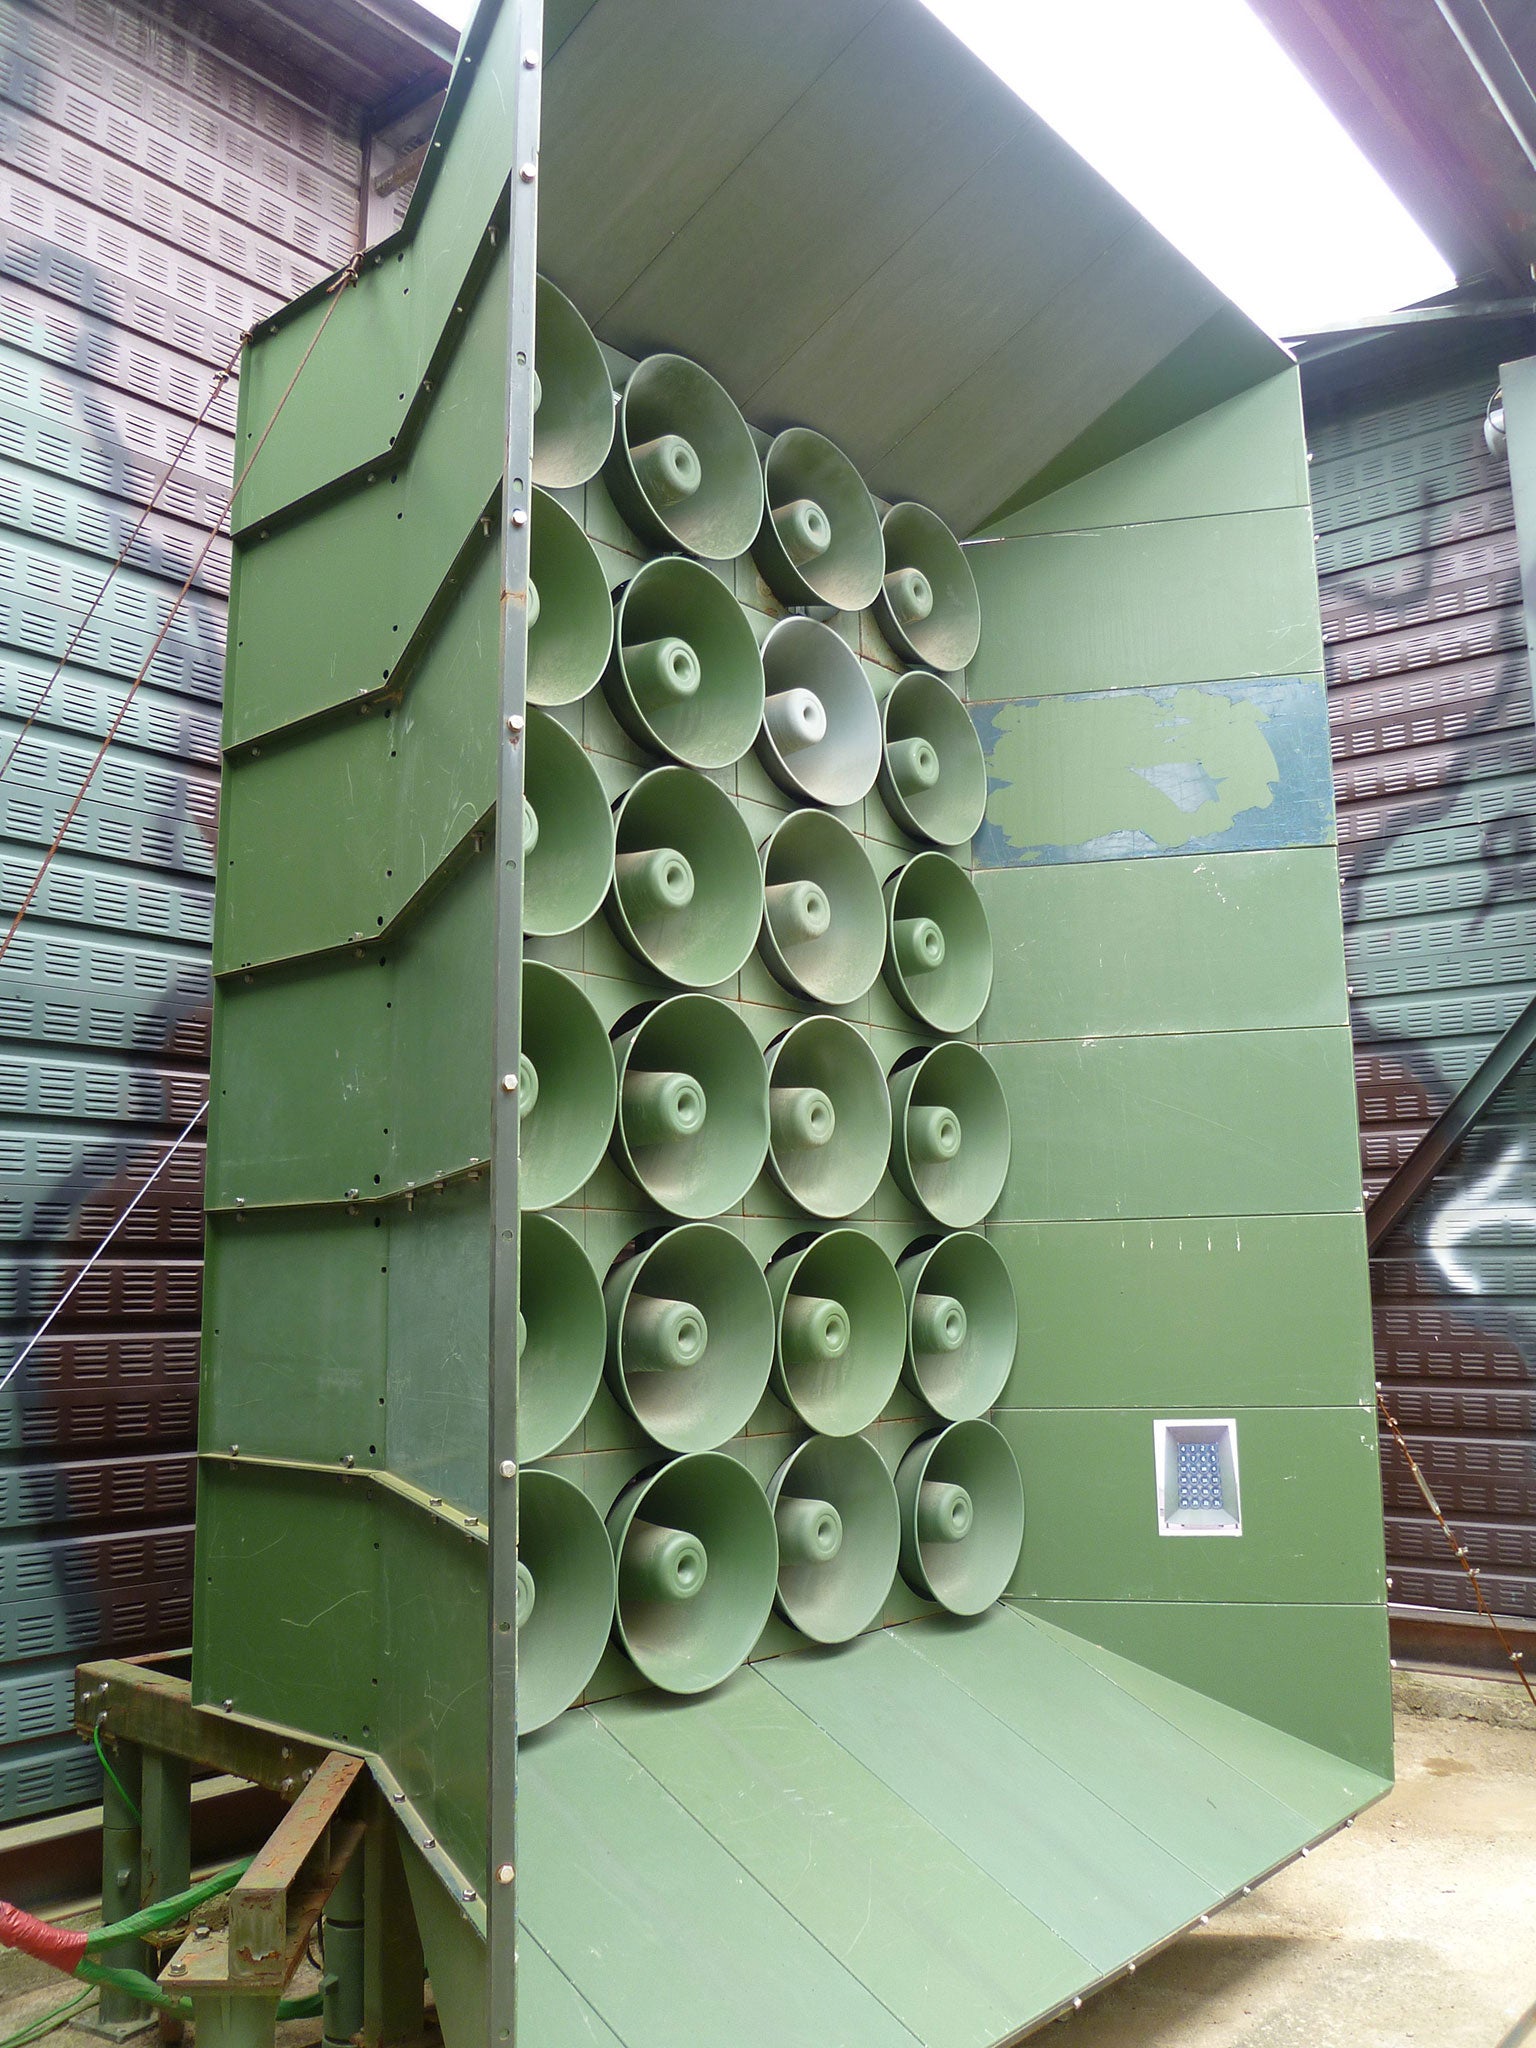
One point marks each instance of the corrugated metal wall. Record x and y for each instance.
(1435, 772)
(159, 193)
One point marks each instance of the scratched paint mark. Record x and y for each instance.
(1119, 774)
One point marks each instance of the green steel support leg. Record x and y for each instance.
(166, 1805)
(118, 2013)
(223, 2020)
(342, 1983)
(393, 1967)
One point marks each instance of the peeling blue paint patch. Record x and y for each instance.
(1129, 774)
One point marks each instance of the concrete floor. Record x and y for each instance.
(1416, 1925)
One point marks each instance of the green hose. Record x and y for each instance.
(162, 1912)
(137, 1985)
(45, 2022)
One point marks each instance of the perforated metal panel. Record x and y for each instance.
(166, 180)
(1435, 772)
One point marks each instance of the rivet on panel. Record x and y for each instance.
(508, 1469)
(504, 1874)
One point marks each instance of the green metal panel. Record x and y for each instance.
(1166, 945)
(1228, 1123)
(1150, 1313)
(1091, 606)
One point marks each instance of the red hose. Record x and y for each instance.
(61, 1946)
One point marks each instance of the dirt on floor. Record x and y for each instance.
(1416, 1925)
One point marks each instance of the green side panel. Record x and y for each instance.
(455, 1956)
(1318, 1785)
(1166, 945)
(365, 1073)
(818, 1824)
(1092, 608)
(358, 389)
(657, 1926)
(1311, 1509)
(332, 833)
(1227, 1123)
(357, 606)
(1247, 455)
(1320, 1673)
(363, 1623)
(1269, 1310)
(1224, 355)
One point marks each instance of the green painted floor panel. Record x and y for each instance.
(936, 1939)
(934, 1835)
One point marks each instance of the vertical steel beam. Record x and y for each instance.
(516, 507)
(343, 1945)
(122, 1851)
(246, 2020)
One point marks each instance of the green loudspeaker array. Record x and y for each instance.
(962, 1516)
(690, 1336)
(824, 923)
(950, 1137)
(698, 1560)
(821, 724)
(692, 1129)
(938, 962)
(687, 894)
(933, 777)
(572, 397)
(963, 1323)
(820, 540)
(839, 1533)
(564, 1085)
(684, 471)
(686, 678)
(840, 1331)
(928, 605)
(567, 832)
(829, 1116)
(570, 617)
(565, 1595)
(562, 1332)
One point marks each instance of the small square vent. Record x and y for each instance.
(1197, 1488)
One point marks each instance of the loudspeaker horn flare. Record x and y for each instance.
(684, 471)
(841, 1330)
(839, 1528)
(821, 725)
(829, 1116)
(686, 678)
(565, 1595)
(820, 540)
(567, 831)
(570, 614)
(950, 1139)
(928, 607)
(692, 1131)
(687, 895)
(938, 962)
(698, 1559)
(962, 1516)
(690, 1336)
(933, 775)
(962, 1323)
(574, 400)
(824, 921)
(562, 1336)
(566, 1088)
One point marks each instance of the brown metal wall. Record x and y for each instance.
(164, 183)
(1435, 775)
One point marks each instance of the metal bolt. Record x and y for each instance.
(430, 1842)
(229, 1706)
(234, 1450)
(176, 1969)
(504, 1873)
(200, 1931)
(509, 1084)
(531, 63)
(467, 1895)
(398, 1797)
(520, 516)
(514, 724)
(508, 1469)
(527, 172)
(348, 1460)
(1205, 1919)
